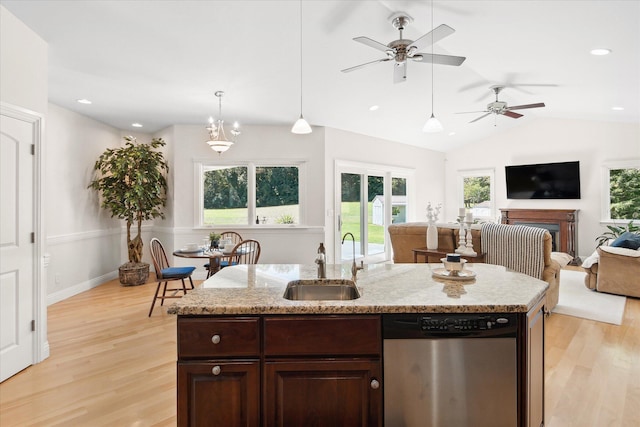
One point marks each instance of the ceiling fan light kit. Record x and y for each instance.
(218, 141)
(301, 126)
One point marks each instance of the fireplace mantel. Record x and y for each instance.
(562, 221)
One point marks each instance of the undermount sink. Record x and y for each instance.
(321, 289)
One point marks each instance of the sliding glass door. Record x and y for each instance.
(369, 200)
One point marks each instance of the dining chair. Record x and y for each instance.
(245, 252)
(165, 274)
(235, 239)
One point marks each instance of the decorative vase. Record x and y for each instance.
(432, 236)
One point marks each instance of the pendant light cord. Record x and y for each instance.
(300, 57)
(431, 58)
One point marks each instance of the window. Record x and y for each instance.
(476, 192)
(249, 194)
(621, 190)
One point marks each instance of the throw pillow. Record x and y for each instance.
(627, 240)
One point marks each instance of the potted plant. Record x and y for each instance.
(214, 238)
(131, 181)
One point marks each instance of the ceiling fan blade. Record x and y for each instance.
(346, 70)
(439, 59)
(522, 107)
(512, 114)
(372, 43)
(400, 72)
(481, 117)
(438, 34)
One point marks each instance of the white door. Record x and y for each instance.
(16, 245)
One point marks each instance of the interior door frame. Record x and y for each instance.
(36, 120)
(370, 169)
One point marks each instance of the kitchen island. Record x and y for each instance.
(247, 356)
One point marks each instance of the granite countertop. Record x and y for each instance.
(384, 288)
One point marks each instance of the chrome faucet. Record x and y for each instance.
(321, 260)
(354, 266)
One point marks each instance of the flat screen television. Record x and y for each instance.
(543, 181)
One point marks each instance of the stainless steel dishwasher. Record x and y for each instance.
(450, 370)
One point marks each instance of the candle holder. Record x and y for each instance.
(469, 244)
(462, 244)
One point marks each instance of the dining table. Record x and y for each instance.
(215, 256)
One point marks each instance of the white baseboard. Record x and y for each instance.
(80, 287)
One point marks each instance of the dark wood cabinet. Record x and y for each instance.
(219, 371)
(320, 370)
(535, 367)
(219, 393)
(531, 366)
(339, 392)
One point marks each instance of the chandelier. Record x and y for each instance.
(217, 138)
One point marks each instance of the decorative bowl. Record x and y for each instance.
(453, 266)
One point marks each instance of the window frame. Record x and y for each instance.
(473, 173)
(605, 200)
(201, 165)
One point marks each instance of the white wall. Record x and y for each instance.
(84, 242)
(23, 68)
(545, 141)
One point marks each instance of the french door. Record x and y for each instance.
(368, 200)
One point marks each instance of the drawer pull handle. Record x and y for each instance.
(375, 384)
(215, 339)
(216, 370)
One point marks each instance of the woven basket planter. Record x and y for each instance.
(134, 274)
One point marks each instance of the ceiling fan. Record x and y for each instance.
(501, 107)
(401, 50)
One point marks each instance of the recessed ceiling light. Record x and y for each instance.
(617, 108)
(600, 51)
(374, 107)
(136, 125)
(84, 101)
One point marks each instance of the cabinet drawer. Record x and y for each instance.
(215, 337)
(322, 335)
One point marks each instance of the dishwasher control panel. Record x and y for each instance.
(464, 323)
(442, 325)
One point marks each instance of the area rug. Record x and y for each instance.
(578, 301)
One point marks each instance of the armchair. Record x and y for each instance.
(614, 270)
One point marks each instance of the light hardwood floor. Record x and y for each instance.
(111, 365)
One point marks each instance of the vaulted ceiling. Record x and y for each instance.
(159, 63)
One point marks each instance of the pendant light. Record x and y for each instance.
(433, 125)
(301, 126)
(218, 140)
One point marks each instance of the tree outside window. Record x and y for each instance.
(624, 193)
(476, 192)
(226, 195)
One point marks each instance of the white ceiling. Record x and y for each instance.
(159, 63)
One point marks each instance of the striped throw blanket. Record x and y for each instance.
(518, 247)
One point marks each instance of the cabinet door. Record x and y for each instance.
(224, 393)
(535, 367)
(323, 393)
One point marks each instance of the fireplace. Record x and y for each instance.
(561, 223)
